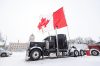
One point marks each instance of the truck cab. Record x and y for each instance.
(51, 43)
(38, 49)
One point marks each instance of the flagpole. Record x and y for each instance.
(57, 43)
(42, 30)
(68, 33)
(49, 36)
(68, 36)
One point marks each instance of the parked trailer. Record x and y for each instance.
(94, 49)
(38, 49)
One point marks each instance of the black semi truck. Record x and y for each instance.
(36, 50)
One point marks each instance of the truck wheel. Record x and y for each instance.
(82, 52)
(76, 53)
(35, 54)
(94, 53)
(3, 55)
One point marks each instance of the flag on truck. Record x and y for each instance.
(59, 20)
(43, 23)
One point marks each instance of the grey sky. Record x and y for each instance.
(19, 18)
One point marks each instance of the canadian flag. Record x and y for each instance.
(59, 20)
(43, 22)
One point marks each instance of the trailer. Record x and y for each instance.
(36, 50)
(94, 49)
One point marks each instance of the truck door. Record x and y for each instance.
(47, 44)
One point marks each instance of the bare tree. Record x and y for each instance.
(89, 40)
(71, 41)
(79, 40)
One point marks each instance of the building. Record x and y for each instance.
(17, 46)
(31, 38)
(20, 46)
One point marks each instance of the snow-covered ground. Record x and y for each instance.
(18, 59)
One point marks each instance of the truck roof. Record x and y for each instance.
(47, 38)
(53, 37)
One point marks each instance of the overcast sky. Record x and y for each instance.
(19, 18)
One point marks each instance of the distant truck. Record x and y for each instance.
(38, 49)
(94, 49)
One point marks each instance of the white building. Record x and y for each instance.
(31, 38)
(17, 46)
(20, 46)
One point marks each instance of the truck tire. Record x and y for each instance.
(35, 54)
(82, 52)
(3, 55)
(76, 53)
(94, 53)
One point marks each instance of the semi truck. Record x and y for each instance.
(52, 44)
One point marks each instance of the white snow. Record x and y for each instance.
(18, 59)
